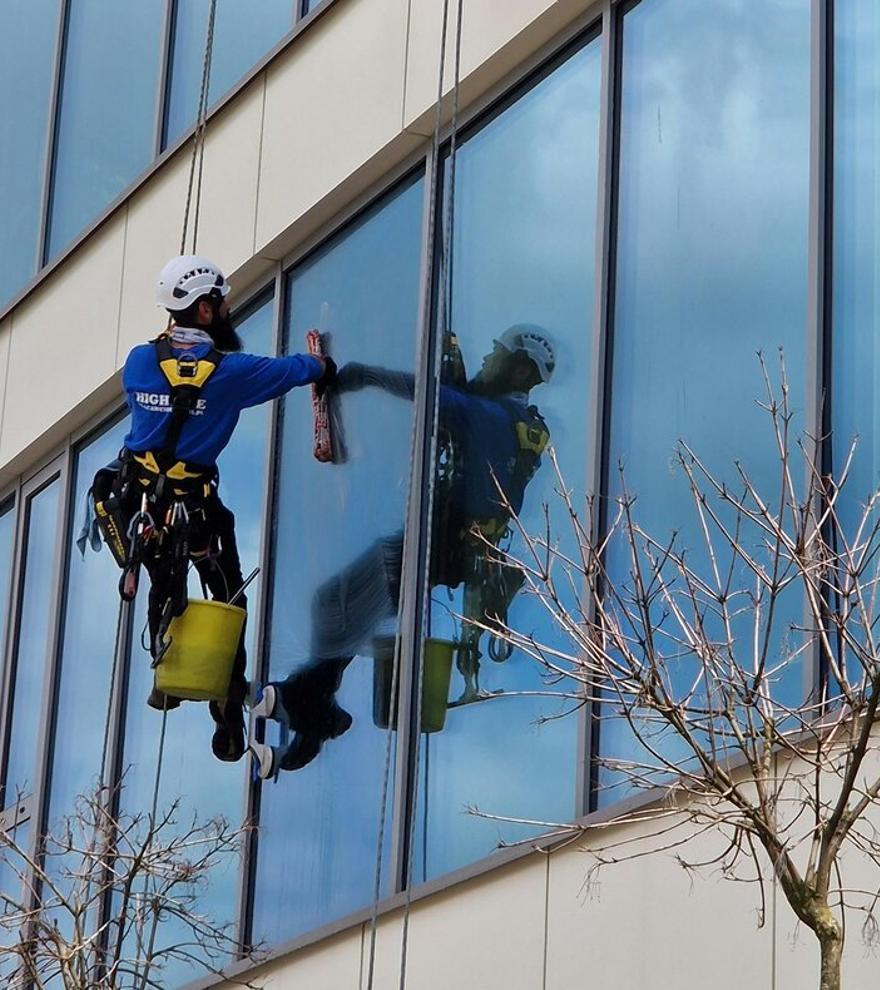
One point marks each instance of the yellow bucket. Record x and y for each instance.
(435, 682)
(204, 640)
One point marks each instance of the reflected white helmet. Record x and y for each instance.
(531, 339)
(187, 278)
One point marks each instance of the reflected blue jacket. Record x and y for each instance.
(486, 430)
(240, 381)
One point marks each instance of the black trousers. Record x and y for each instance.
(214, 552)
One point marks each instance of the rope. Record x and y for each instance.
(394, 706)
(198, 148)
(117, 649)
(440, 337)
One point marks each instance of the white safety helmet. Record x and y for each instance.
(187, 278)
(531, 339)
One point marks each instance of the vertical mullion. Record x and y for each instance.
(602, 308)
(164, 76)
(51, 139)
(820, 262)
(262, 612)
(407, 751)
(613, 14)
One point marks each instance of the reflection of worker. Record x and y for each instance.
(491, 439)
(158, 504)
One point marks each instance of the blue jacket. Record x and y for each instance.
(240, 381)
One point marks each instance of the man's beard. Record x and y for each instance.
(223, 334)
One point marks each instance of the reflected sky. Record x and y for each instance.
(7, 542)
(856, 397)
(319, 824)
(31, 653)
(87, 645)
(28, 30)
(243, 33)
(105, 132)
(523, 252)
(712, 251)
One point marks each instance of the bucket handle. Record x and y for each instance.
(241, 590)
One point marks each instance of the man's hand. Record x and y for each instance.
(328, 377)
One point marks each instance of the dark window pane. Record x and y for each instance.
(337, 568)
(526, 188)
(711, 262)
(856, 353)
(28, 30)
(205, 787)
(243, 33)
(32, 647)
(87, 646)
(107, 116)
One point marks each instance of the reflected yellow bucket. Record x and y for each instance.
(204, 640)
(435, 682)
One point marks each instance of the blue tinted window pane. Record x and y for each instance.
(243, 33)
(712, 259)
(107, 116)
(7, 541)
(856, 353)
(87, 646)
(337, 567)
(205, 787)
(32, 647)
(526, 188)
(28, 29)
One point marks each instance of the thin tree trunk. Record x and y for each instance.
(831, 948)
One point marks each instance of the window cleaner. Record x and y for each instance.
(158, 505)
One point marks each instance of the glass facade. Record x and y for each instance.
(27, 43)
(522, 256)
(105, 133)
(240, 41)
(30, 653)
(102, 114)
(713, 211)
(204, 787)
(704, 261)
(337, 561)
(855, 356)
(87, 647)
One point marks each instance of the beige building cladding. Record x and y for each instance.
(655, 185)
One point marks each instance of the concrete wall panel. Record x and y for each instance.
(229, 185)
(155, 216)
(330, 109)
(646, 924)
(488, 932)
(63, 342)
(334, 963)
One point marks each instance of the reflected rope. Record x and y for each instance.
(394, 705)
(439, 341)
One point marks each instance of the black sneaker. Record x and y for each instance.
(227, 743)
(306, 744)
